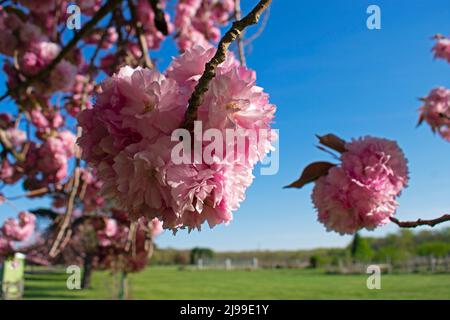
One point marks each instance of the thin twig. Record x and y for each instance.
(240, 43)
(68, 214)
(131, 241)
(102, 12)
(421, 222)
(210, 68)
(254, 36)
(64, 233)
(32, 193)
(140, 35)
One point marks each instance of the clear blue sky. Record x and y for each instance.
(327, 72)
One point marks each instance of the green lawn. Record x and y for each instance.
(173, 283)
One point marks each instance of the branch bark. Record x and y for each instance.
(160, 19)
(210, 68)
(420, 222)
(54, 250)
(240, 43)
(260, 29)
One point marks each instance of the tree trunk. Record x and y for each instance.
(123, 290)
(87, 272)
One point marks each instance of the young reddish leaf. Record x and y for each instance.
(311, 173)
(421, 119)
(333, 142)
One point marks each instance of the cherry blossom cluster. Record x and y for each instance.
(442, 48)
(38, 162)
(436, 111)
(198, 22)
(113, 237)
(27, 40)
(361, 191)
(16, 230)
(37, 139)
(127, 138)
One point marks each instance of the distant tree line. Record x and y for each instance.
(393, 248)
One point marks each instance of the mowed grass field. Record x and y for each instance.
(175, 283)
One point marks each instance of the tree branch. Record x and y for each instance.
(421, 222)
(140, 35)
(160, 19)
(210, 68)
(62, 233)
(260, 30)
(240, 43)
(109, 5)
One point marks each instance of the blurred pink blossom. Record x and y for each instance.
(362, 191)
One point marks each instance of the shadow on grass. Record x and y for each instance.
(49, 295)
(47, 286)
(61, 279)
(37, 288)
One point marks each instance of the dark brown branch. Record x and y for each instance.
(240, 43)
(140, 35)
(109, 5)
(160, 19)
(260, 29)
(210, 68)
(421, 222)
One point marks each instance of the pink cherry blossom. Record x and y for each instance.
(54, 154)
(37, 56)
(188, 67)
(7, 172)
(361, 192)
(107, 234)
(89, 7)
(156, 227)
(46, 120)
(62, 77)
(442, 48)
(97, 38)
(30, 32)
(126, 137)
(21, 229)
(436, 111)
(16, 136)
(41, 6)
(198, 21)
(134, 104)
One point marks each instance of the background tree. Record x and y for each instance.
(360, 249)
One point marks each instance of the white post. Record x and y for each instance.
(255, 263)
(228, 264)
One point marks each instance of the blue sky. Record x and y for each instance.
(327, 72)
